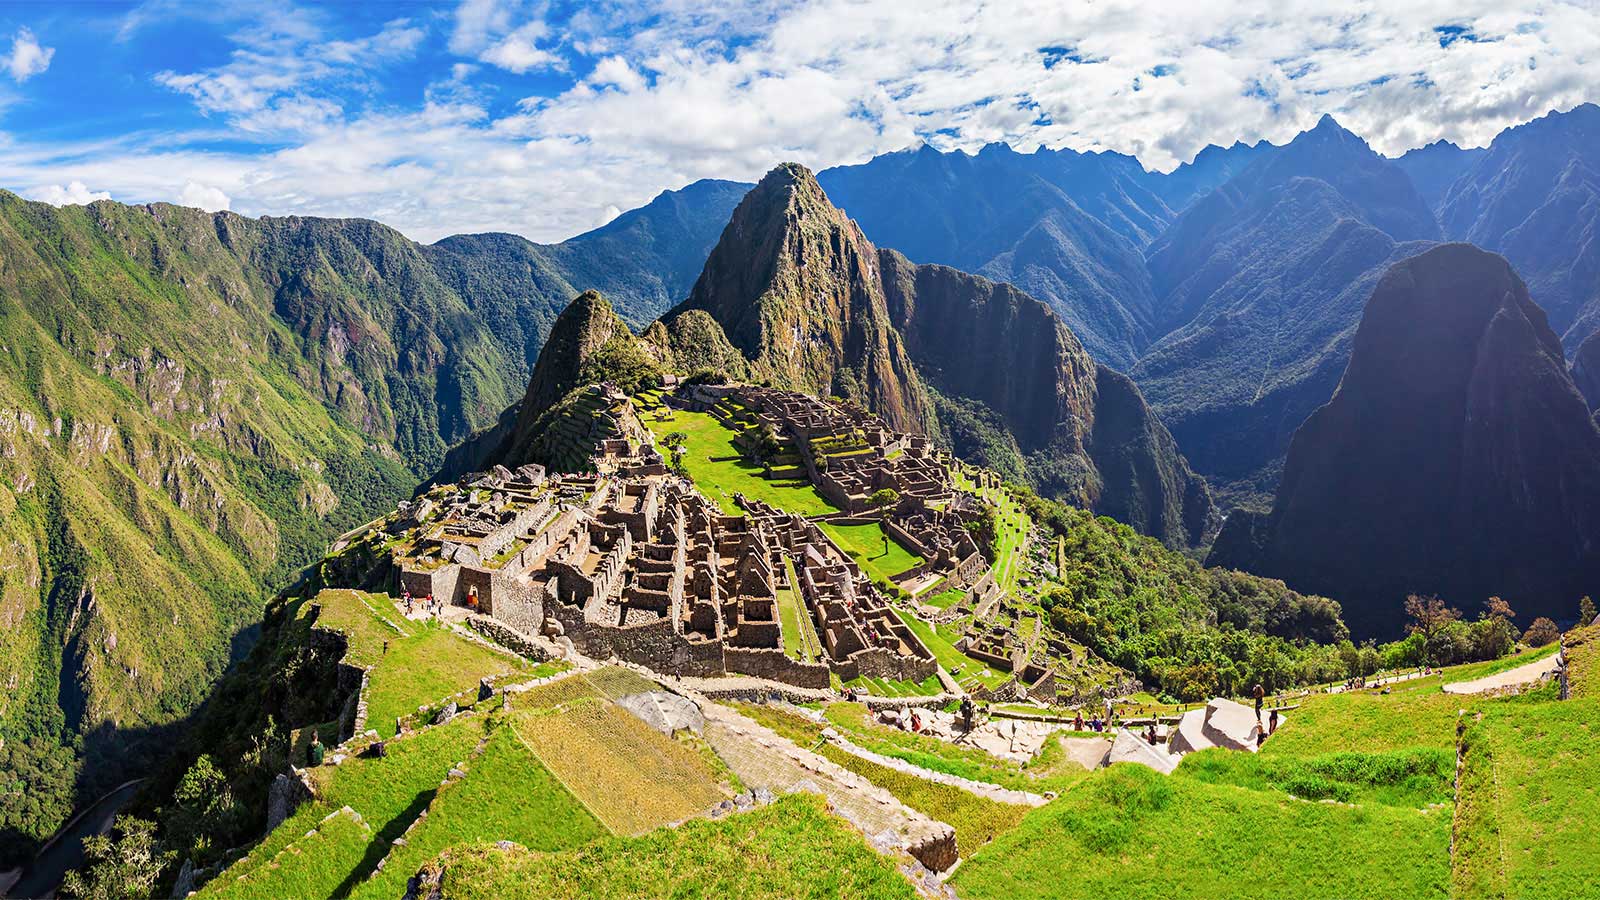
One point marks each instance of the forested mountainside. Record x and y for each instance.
(193, 404)
(1457, 457)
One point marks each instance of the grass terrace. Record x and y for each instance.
(387, 793)
(944, 650)
(629, 776)
(714, 464)
(507, 794)
(885, 687)
(790, 849)
(1128, 831)
(872, 549)
(1528, 801)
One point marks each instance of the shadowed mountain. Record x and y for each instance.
(1260, 285)
(1586, 370)
(1457, 457)
(1535, 197)
(1211, 168)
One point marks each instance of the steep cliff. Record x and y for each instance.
(1457, 457)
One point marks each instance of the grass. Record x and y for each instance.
(790, 849)
(977, 820)
(386, 792)
(1369, 722)
(799, 634)
(945, 599)
(630, 777)
(413, 663)
(1128, 831)
(948, 656)
(1410, 778)
(887, 687)
(867, 546)
(507, 794)
(315, 865)
(715, 466)
(1528, 802)
(1583, 661)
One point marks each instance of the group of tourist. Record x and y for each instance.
(430, 606)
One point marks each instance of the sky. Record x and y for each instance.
(545, 118)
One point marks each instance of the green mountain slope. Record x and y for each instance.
(193, 404)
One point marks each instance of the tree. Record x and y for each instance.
(881, 500)
(1586, 612)
(1493, 636)
(1430, 616)
(203, 806)
(126, 867)
(1541, 633)
(675, 442)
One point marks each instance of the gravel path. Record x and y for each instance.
(1523, 674)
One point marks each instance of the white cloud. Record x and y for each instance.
(204, 197)
(75, 194)
(520, 52)
(27, 58)
(670, 91)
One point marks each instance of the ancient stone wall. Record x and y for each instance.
(775, 665)
(506, 636)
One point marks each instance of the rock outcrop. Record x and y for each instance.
(1456, 458)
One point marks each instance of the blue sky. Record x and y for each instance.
(545, 118)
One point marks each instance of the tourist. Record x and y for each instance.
(966, 713)
(1261, 697)
(314, 753)
(1272, 723)
(1077, 721)
(1261, 738)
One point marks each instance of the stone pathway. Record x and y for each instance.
(762, 758)
(1526, 673)
(980, 788)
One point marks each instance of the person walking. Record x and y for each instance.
(1261, 697)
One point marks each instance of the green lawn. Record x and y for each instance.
(947, 654)
(792, 848)
(1367, 722)
(426, 667)
(799, 633)
(1128, 831)
(316, 864)
(881, 559)
(506, 795)
(885, 687)
(1410, 778)
(714, 465)
(944, 600)
(1529, 801)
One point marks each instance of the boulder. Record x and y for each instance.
(1232, 725)
(1191, 734)
(1131, 748)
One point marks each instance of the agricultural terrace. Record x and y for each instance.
(387, 793)
(1012, 524)
(631, 777)
(423, 662)
(507, 794)
(792, 848)
(940, 641)
(719, 471)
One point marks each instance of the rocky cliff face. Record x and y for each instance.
(796, 288)
(1457, 457)
(810, 303)
(1586, 370)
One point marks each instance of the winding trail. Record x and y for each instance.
(1526, 673)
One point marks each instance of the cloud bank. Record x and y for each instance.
(541, 119)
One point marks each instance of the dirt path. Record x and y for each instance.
(980, 788)
(1523, 674)
(762, 758)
